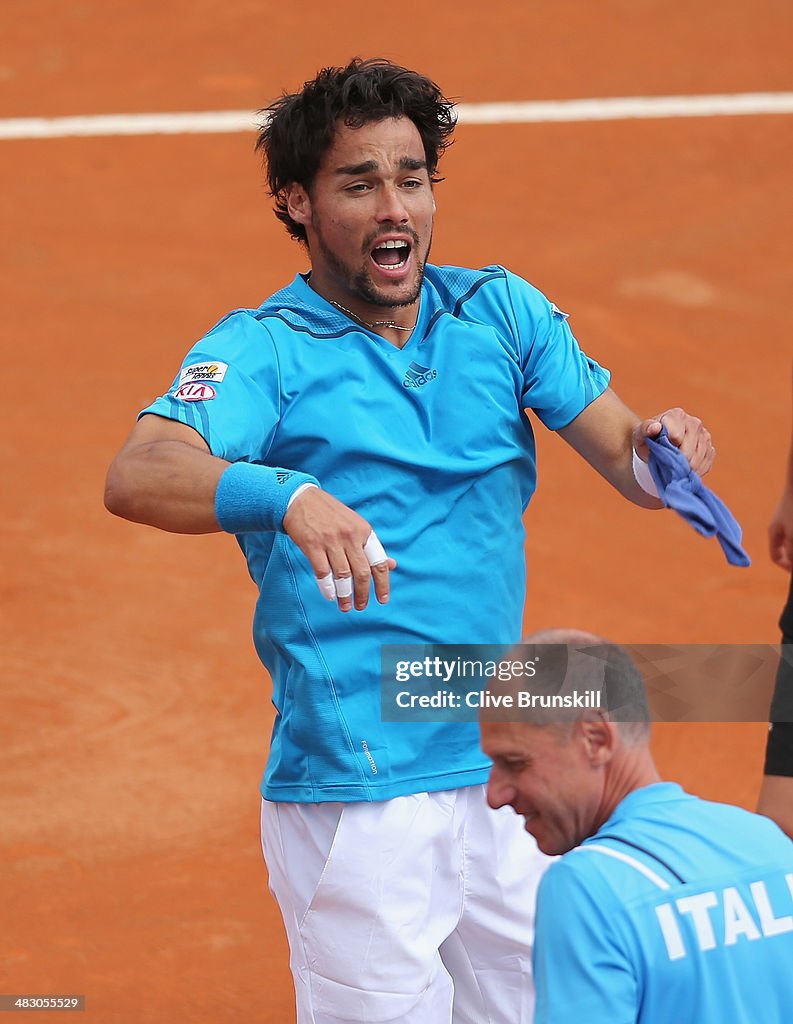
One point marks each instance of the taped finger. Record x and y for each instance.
(343, 585)
(326, 587)
(374, 550)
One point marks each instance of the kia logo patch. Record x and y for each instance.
(195, 391)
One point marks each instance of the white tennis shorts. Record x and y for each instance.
(417, 910)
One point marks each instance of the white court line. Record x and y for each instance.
(212, 122)
(622, 108)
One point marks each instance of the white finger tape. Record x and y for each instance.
(374, 550)
(326, 587)
(343, 586)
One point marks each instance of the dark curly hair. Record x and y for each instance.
(298, 128)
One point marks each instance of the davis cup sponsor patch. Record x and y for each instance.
(195, 391)
(203, 371)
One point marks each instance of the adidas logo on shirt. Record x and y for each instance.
(416, 376)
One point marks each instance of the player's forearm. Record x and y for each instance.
(167, 484)
(617, 468)
(603, 435)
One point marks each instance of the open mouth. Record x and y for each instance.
(391, 254)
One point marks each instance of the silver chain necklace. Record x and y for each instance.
(366, 323)
(373, 323)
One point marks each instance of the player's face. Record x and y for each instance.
(368, 216)
(548, 777)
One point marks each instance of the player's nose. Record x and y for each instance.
(390, 207)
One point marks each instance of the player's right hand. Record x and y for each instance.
(333, 537)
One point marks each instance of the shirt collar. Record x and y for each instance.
(645, 796)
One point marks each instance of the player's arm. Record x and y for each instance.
(165, 476)
(780, 529)
(606, 433)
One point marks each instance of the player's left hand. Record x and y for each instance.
(686, 432)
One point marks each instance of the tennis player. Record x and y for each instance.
(365, 428)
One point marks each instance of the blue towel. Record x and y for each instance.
(681, 489)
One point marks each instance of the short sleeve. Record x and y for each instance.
(228, 390)
(582, 971)
(559, 380)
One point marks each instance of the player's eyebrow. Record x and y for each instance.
(352, 169)
(406, 163)
(409, 163)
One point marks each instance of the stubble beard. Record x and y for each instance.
(360, 284)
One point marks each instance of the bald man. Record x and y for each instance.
(663, 909)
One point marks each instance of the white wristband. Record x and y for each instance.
(299, 490)
(641, 473)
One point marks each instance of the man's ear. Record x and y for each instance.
(600, 740)
(298, 204)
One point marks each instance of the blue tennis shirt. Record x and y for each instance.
(429, 443)
(677, 911)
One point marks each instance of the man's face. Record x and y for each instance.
(549, 777)
(368, 216)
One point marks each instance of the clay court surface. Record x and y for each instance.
(135, 714)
